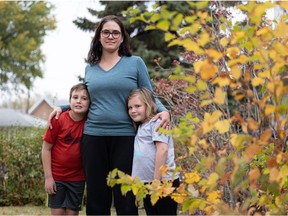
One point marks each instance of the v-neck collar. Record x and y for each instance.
(106, 71)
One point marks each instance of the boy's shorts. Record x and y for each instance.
(68, 195)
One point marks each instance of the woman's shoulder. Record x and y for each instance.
(133, 58)
(90, 66)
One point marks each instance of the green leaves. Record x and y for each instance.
(23, 26)
(22, 172)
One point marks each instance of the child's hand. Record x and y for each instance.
(50, 186)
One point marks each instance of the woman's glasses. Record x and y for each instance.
(115, 34)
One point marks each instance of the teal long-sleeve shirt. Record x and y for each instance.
(108, 93)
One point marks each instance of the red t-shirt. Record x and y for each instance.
(65, 136)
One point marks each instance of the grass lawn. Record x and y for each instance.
(39, 210)
(25, 210)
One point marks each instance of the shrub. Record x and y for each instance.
(21, 172)
(233, 103)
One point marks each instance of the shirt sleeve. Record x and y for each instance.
(50, 135)
(155, 135)
(145, 81)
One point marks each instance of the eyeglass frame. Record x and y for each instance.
(110, 33)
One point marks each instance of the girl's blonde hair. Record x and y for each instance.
(148, 99)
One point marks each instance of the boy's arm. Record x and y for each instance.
(161, 158)
(50, 186)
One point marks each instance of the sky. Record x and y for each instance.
(65, 49)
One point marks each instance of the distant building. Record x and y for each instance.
(43, 107)
(13, 118)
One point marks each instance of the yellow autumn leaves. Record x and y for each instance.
(243, 68)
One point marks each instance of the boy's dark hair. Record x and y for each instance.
(79, 86)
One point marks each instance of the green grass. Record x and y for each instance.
(25, 210)
(39, 210)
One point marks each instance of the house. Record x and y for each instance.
(37, 115)
(10, 118)
(43, 107)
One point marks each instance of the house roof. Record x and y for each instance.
(10, 117)
(35, 105)
(50, 103)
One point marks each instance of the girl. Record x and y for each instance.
(151, 149)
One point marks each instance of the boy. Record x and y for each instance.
(63, 169)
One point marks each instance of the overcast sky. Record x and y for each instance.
(65, 49)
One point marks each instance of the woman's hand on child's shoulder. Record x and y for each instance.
(164, 116)
(56, 112)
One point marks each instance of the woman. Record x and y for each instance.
(108, 138)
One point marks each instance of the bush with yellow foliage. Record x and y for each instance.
(234, 124)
